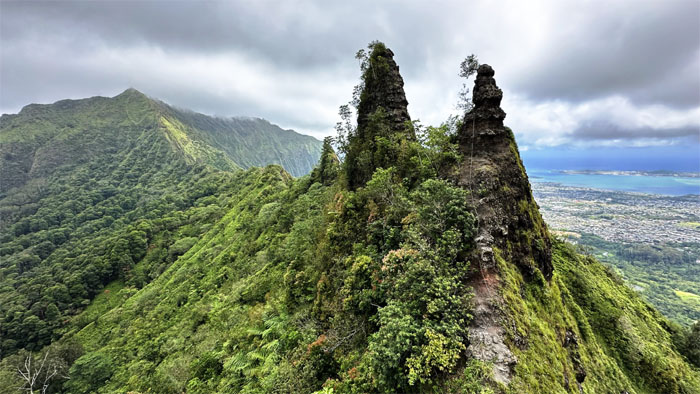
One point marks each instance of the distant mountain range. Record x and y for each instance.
(75, 177)
(42, 138)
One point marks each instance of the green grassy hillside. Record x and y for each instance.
(87, 186)
(286, 293)
(252, 142)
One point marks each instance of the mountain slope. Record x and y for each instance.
(253, 142)
(42, 137)
(430, 272)
(76, 177)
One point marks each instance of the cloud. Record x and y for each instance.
(610, 120)
(649, 52)
(573, 73)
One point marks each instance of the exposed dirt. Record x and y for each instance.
(486, 334)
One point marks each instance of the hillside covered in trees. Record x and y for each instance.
(90, 186)
(418, 263)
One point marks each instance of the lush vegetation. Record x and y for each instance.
(249, 142)
(98, 186)
(587, 326)
(665, 274)
(254, 281)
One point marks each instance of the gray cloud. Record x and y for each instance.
(603, 130)
(560, 63)
(647, 51)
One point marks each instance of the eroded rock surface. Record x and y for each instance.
(383, 89)
(508, 215)
(382, 114)
(509, 221)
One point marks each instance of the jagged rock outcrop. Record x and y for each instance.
(381, 113)
(383, 88)
(509, 220)
(487, 113)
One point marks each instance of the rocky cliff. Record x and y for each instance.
(508, 217)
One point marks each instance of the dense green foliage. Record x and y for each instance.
(254, 300)
(665, 274)
(587, 322)
(300, 286)
(329, 165)
(382, 133)
(689, 344)
(96, 190)
(52, 271)
(249, 142)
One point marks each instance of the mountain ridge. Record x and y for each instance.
(79, 171)
(228, 134)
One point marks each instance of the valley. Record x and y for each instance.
(652, 241)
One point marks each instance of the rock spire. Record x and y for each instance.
(509, 218)
(382, 113)
(509, 222)
(487, 114)
(383, 88)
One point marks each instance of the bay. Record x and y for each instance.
(664, 185)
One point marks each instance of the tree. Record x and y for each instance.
(327, 170)
(691, 345)
(39, 373)
(466, 69)
(89, 372)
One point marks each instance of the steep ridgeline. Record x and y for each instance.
(252, 142)
(410, 267)
(77, 176)
(544, 318)
(508, 217)
(48, 140)
(42, 138)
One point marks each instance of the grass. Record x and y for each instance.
(621, 343)
(687, 297)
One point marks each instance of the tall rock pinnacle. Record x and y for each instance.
(509, 218)
(382, 113)
(383, 88)
(487, 114)
(510, 225)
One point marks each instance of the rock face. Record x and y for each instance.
(508, 215)
(487, 113)
(510, 224)
(382, 113)
(383, 87)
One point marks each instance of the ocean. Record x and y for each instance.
(665, 185)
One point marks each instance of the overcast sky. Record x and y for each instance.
(574, 73)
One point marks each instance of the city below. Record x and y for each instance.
(619, 216)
